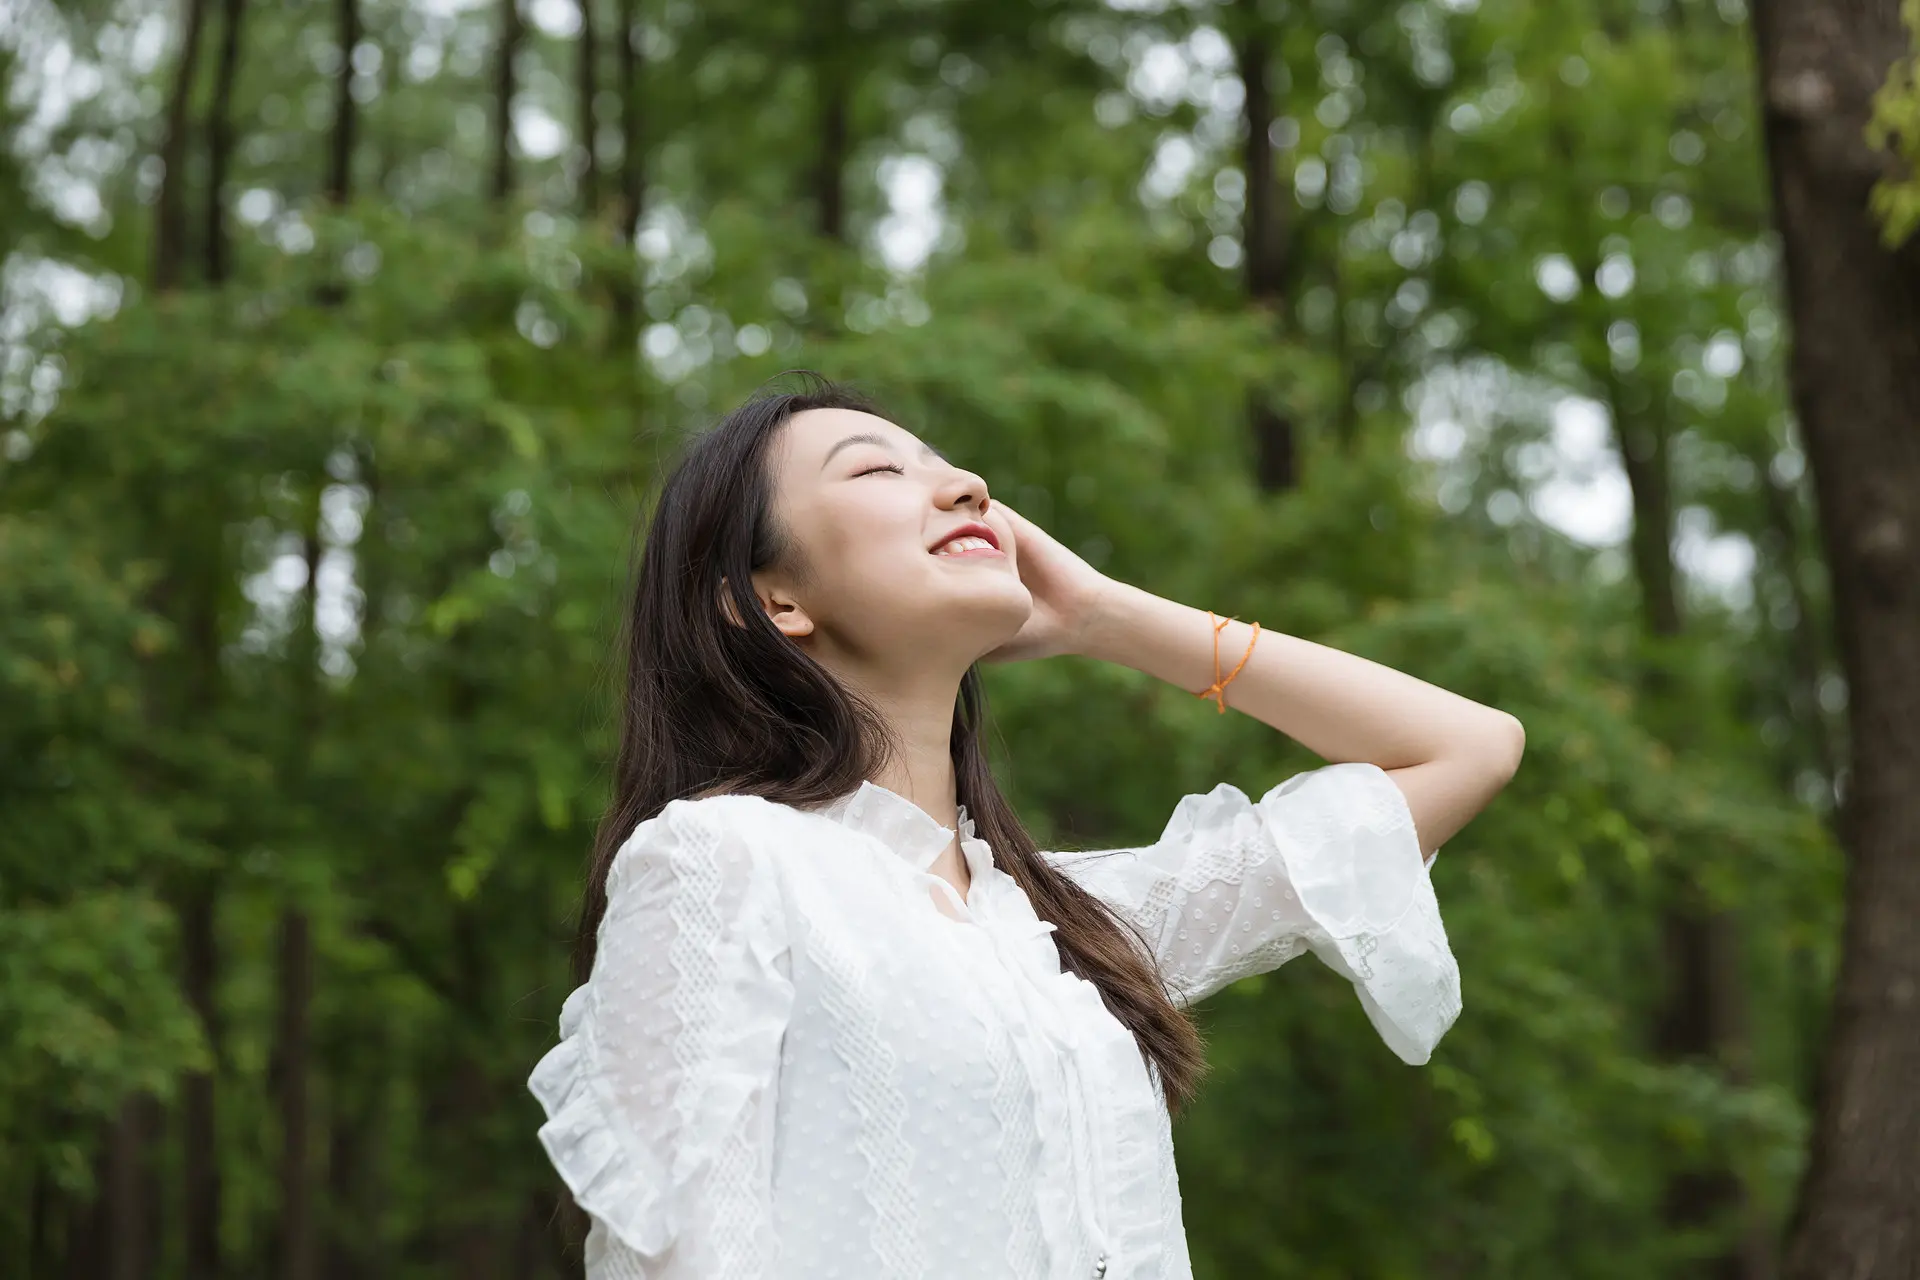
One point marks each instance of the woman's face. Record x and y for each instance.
(874, 575)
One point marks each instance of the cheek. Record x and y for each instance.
(883, 520)
(859, 546)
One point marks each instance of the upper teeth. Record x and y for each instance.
(968, 543)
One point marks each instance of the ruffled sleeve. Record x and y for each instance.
(1326, 862)
(660, 1095)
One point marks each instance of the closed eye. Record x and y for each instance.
(890, 466)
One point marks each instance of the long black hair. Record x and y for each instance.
(711, 706)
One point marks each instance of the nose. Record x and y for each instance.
(963, 487)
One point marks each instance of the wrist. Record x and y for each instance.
(1105, 630)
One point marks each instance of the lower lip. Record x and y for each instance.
(968, 555)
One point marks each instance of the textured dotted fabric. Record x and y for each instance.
(801, 1055)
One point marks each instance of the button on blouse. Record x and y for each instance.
(789, 1061)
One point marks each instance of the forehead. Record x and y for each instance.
(812, 434)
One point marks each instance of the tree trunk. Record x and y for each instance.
(220, 139)
(200, 1163)
(1855, 372)
(293, 1049)
(633, 179)
(86, 1255)
(588, 78)
(832, 86)
(292, 1052)
(1805, 658)
(332, 291)
(1701, 1021)
(1263, 224)
(40, 1211)
(626, 297)
(352, 1243)
(829, 180)
(345, 111)
(1263, 238)
(512, 27)
(478, 1239)
(1347, 423)
(170, 217)
(132, 1192)
(1642, 445)
(632, 127)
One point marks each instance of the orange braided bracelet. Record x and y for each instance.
(1218, 689)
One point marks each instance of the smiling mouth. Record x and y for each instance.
(971, 538)
(968, 545)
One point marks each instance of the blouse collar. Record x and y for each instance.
(906, 828)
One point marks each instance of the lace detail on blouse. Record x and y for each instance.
(1026, 1252)
(694, 955)
(874, 1088)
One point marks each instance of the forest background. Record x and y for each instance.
(341, 342)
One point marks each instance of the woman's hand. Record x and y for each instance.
(1066, 593)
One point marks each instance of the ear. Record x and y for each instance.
(778, 604)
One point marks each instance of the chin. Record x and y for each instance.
(1008, 598)
(993, 612)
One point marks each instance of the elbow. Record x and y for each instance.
(1506, 742)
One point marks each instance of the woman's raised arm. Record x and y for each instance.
(1448, 755)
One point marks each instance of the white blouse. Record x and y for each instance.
(801, 1054)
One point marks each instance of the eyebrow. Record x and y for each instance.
(870, 437)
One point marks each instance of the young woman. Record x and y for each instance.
(838, 1017)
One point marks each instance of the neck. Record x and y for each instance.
(918, 708)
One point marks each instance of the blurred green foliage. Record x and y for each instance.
(1895, 128)
(308, 581)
